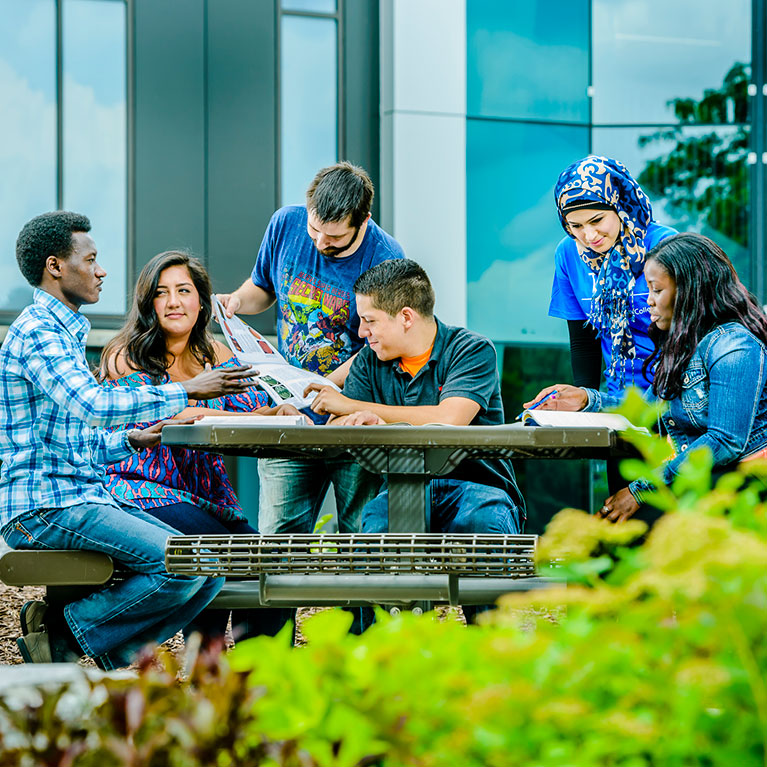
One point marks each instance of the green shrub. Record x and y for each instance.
(650, 656)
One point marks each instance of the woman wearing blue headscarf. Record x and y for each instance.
(599, 285)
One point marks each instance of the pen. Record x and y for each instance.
(532, 407)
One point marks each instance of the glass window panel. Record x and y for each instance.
(308, 102)
(528, 60)
(317, 6)
(547, 486)
(647, 54)
(27, 131)
(696, 177)
(512, 226)
(95, 144)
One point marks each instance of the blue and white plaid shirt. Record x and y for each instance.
(50, 408)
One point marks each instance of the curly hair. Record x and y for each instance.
(141, 340)
(47, 235)
(708, 293)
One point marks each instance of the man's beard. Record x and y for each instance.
(343, 248)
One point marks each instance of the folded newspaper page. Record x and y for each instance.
(283, 382)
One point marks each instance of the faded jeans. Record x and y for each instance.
(292, 490)
(113, 623)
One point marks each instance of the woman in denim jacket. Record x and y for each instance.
(710, 361)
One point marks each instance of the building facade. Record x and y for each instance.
(186, 124)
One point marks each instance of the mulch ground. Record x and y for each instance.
(12, 598)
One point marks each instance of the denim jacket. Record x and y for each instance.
(723, 404)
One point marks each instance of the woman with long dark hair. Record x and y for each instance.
(710, 361)
(166, 338)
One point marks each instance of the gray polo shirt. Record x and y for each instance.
(462, 364)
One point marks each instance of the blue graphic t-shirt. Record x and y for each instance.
(571, 300)
(317, 320)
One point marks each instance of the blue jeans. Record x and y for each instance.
(456, 506)
(292, 490)
(189, 519)
(113, 623)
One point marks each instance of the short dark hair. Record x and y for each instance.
(340, 191)
(395, 284)
(47, 235)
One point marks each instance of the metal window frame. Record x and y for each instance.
(100, 321)
(338, 17)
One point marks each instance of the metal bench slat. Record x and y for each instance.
(54, 568)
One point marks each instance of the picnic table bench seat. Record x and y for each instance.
(314, 570)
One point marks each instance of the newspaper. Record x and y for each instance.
(283, 382)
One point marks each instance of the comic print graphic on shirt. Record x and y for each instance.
(313, 322)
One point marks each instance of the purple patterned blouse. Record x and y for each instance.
(166, 475)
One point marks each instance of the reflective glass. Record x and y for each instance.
(651, 57)
(27, 130)
(547, 486)
(308, 102)
(528, 60)
(696, 177)
(512, 226)
(95, 144)
(317, 6)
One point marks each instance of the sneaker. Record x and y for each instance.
(35, 647)
(32, 617)
(41, 647)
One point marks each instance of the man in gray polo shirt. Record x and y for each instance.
(416, 369)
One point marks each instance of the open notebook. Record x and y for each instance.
(567, 419)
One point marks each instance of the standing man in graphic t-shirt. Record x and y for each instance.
(308, 262)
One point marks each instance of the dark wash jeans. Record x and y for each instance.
(456, 507)
(189, 519)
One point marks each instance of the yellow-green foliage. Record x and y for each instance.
(651, 656)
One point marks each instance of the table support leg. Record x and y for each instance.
(407, 503)
(409, 498)
(408, 491)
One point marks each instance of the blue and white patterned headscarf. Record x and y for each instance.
(605, 181)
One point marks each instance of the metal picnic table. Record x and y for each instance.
(404, 566)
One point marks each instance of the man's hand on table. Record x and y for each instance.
(142, 439)
(291, 410)
(360, 418)
(283, 409)
(331, 402)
